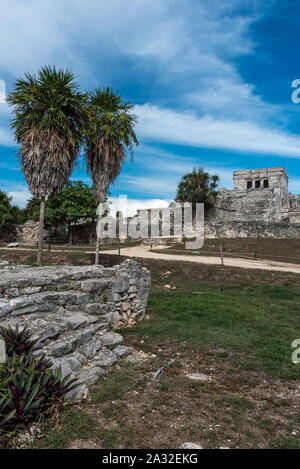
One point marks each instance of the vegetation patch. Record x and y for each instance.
(29, 388)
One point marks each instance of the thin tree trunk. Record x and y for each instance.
(98, 231)
(41, 231)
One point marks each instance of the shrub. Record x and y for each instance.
(16, 341)
(28, 386)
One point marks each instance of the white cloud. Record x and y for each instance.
(20, 197)
(137, 204)
(186, 128)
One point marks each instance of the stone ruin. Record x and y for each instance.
(260, 205)
(72, 312)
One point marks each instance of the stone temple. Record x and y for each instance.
(259, 205)
(258, 195)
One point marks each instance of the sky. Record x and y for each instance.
(211, 83)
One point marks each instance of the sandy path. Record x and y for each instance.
(228, 261)
(145, 253)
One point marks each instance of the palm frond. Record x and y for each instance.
(109, 137)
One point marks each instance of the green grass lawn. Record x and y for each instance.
(261, 321)
(235, 325)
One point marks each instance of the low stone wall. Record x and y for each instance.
(71, 311)
(245, 229)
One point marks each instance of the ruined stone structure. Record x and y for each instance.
(259, 205)
(258, 195)
(71, 311)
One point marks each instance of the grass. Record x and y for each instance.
(240, 335)
(261, 321)
(74, 425)
(115, 384)
(282, 250)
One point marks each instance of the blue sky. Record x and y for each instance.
(211, 82)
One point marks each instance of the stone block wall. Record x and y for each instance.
(71, 312)
(252, 229)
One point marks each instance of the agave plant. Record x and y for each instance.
(48, 125)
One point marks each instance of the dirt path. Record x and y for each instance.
(145, 253)
(263, 264)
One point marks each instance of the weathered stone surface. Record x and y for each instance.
(66, 309)
(2, 351)
(78, 393)
(64, 347)
(64, 366)
(12, 292)
(77, 320)
(197, 376)
(122, 351)
(90, 350)
(121, 286)
(96, 308)
(28, 309)
(111, 339)
(96, 286)
(90, 375)
(105, 358)
(189, 445)
(74, 361)
(5, 308)
(49, 333)
(84, 336)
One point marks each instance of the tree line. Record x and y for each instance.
(76, 203)
(54, 120)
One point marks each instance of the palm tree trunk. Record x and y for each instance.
(41, 231)
(98, 231)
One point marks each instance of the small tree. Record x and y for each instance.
(75, 203)
(198, 187)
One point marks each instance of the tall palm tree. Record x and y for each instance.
(109, 136)
(48, 125)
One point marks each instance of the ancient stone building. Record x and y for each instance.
(258, 195)
(259, 205)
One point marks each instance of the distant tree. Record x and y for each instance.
(108, 136)
(75, 203)
(18, 215)
(5, 208)
(10, 213)
(32, 209)
(48, 109)
(198, 187)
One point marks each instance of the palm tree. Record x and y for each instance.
(198, 187)
(48, 125)
(109, 135)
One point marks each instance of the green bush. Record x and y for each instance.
(28, 386)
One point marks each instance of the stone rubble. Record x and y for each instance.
(72, 310)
